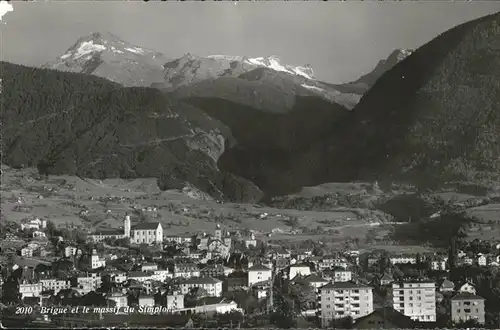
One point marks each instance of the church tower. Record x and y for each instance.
(218, 232)
(126, 226)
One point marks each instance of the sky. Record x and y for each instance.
(340, 40)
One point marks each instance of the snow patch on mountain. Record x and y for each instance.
(270, 62)
(313, 88)
(87, 47)
(136, 50)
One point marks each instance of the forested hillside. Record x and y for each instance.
(79, 124)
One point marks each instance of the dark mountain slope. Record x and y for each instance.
(266, 140)
(434, 117)
(266, 89)
(76, 124)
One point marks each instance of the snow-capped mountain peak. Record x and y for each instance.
(99, 42)
(105, 55)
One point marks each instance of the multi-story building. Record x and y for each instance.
(259, 273)
(403, 259)
(30, 289)
(96, 261)
(416, 300)
(54, 284)
(212, 285)
(467, 306)
(342, 299)
(186, 270)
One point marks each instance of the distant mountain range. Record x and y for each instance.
(106, 55)
(238, 127)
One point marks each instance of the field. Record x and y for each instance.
(74, 202)
(70, 201)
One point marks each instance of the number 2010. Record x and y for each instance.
(24, 310)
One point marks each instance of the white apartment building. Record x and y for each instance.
(259, 273)
(416, 300)
(342, 299)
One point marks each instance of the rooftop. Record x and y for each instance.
(466, 296)
(258, 267)
(202, 280)
(146, 226)
(344, 285)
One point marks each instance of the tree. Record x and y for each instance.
(303, 294)
(10, 291)
(195, 294)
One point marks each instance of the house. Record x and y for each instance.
(161, 275)
(145, 300)
(439, 263)
(69, 251)
(328, 262)
(26, 252)
(315, 281)
(34, 224)
(212, 285)
(178, 239)
(30, 289)
(467, 306)
(342, 276)
(251, 242)
(299, 269)
(120, 300)
(386, 279)
(467, 288)
(118, 277)
(481, 260)
(384, 318)
(88, 283)
(96, 261)
(39, 234)
(416, 300)
(213, 271)
(259, 273)
(175, 300)
(339, 300)
(447, 286)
